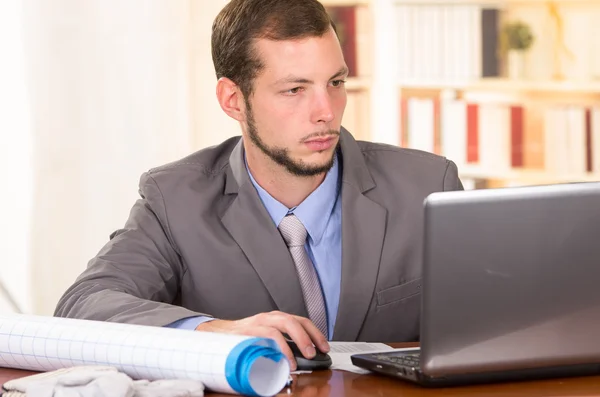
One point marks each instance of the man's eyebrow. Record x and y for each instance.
(293, 79)
(300, 80)
(343, 71)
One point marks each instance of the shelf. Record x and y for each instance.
(523, 176)
(509, 85)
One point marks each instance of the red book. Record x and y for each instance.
(472, 133)
(516, 136)
(344, 18)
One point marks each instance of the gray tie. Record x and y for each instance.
(294, 233)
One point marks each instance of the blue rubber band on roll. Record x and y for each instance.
(241, 359)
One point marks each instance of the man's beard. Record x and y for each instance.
(281, 156)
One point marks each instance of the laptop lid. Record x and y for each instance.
(511, 279)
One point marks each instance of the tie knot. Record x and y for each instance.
(293, 231)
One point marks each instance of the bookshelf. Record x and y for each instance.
(432, 74)
(539, 128)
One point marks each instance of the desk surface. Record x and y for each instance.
(341, 383)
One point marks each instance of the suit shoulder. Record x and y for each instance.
(408, 167)
(395, 154)
(210, 161)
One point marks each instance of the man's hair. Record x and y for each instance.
(241, 22)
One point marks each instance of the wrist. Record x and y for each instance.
(210, 325)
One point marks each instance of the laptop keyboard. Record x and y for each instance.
(409, 360)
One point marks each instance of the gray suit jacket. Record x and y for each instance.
(199, 241)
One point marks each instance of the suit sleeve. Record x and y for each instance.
(135, 278)
(451, 179)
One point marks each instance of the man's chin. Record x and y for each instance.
(311, 168)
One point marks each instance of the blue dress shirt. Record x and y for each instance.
(321, 215)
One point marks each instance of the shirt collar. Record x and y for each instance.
(314, 212)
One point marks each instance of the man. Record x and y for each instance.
(293, 229)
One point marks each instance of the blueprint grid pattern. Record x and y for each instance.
(47, 343)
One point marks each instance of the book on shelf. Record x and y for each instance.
(572, 137)
(494, 143)
(353, 27)
(344, 19)
(453, 127)
(472, 133)
(516, 135)
(421, 124)
(490, 60)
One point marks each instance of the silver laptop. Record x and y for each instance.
(511, 288)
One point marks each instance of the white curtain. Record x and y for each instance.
(16, 182)
(115, 88)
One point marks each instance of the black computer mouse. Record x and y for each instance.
(318, 362)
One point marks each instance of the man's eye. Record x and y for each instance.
(337, 83)
(294, 90)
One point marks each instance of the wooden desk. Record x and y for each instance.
(341, 383)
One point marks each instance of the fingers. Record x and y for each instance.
(296, 331)
(300, 329)
(314, 333)
(272, 325)
(251, 327)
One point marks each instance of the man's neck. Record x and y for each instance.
(290, 190)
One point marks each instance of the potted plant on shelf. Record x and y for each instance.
(516, 39)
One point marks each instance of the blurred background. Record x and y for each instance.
(95, 92)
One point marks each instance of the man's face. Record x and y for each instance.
(295, 111)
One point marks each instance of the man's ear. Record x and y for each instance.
(231, 100)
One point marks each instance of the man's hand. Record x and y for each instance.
(273, 325)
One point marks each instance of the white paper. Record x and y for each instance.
(341, 353)
(48, 343)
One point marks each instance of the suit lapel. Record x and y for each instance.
(250, 225)
(363, 231)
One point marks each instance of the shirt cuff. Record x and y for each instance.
(189, 323)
